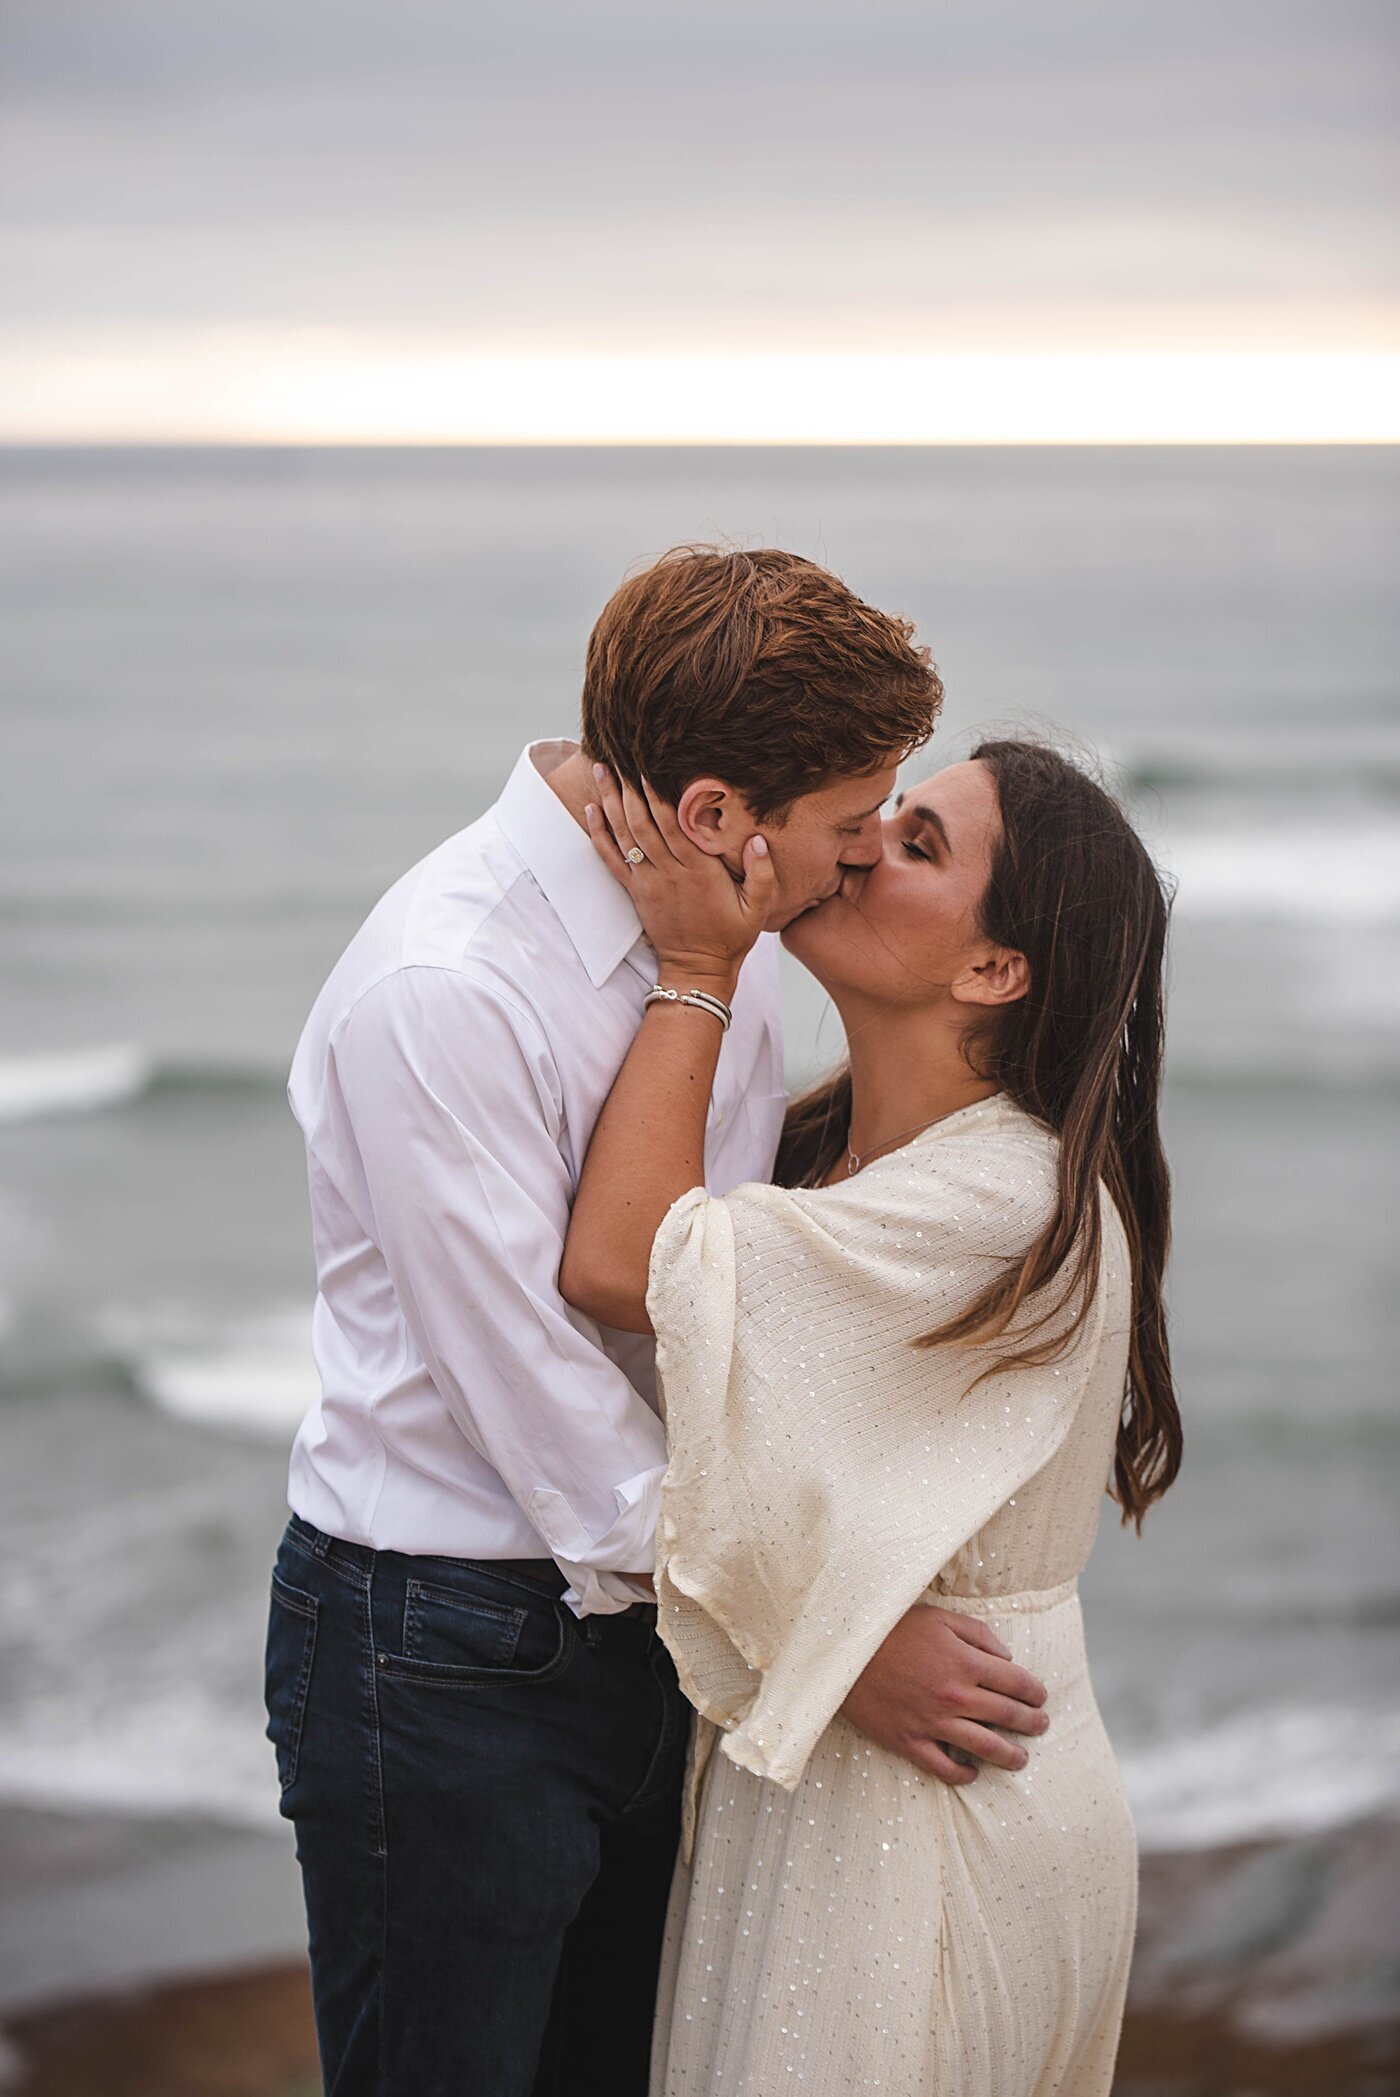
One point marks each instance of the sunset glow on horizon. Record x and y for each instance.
(299, 391)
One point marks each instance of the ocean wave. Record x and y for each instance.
(1262, 1601)
(119, 1074)
(1258, 766)
(72, 1081)
(1302, 874)
(1282, 1770)
(176, 1078)
(183, 1749)
(181, 1752)
(252, 1375)
(1327, 1062)
(120, 1077)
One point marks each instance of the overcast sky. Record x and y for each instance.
(742, 175)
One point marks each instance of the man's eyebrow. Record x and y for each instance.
(935, 823)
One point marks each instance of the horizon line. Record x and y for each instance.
(295, 391)
(225, 442)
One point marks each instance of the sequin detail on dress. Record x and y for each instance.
(840, 1922)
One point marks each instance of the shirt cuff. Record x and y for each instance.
(597, 1586)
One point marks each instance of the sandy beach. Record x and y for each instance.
(1264, 1970)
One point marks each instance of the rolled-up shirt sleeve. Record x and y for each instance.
(454, 1116)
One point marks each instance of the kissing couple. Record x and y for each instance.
(675, 1666)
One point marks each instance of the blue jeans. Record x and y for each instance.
(485, 1793)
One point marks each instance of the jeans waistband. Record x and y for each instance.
(540, 1572)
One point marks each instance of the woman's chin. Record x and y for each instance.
(807, 937)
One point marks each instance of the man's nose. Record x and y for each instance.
(866, 849)
(890, 836)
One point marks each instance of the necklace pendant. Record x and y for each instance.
(855, 1159)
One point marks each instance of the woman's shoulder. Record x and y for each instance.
(996, 1122)
(990, 1167)
(991, 1157)
(993, 1144)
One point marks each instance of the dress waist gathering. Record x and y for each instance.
(1024, 1602)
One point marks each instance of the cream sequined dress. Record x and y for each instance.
(840, 1922)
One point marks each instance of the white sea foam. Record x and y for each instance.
(1276, 1771)
(1303, 873)
(179, 1753)
(253, 1374)
(72, 1081)
(1266, 1774)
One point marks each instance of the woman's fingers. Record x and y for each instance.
(668, 823)
(630, 818)
(642, 824)
(605, 844)
(614, 811)
(642, 821)
(697, 910)
(614, 814)
(760, 881)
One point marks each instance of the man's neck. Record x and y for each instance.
(573, 783)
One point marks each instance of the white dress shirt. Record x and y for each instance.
(447, 1083)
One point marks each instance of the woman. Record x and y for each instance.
(907, 1373)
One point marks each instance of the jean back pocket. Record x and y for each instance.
(291, 1650)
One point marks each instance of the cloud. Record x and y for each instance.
(744, 176)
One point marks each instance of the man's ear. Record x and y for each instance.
(715, 817)
(999, 978)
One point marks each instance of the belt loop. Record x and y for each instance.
(320, 1543)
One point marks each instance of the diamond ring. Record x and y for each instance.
(636, 857)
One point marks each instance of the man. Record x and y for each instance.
(479, 1734)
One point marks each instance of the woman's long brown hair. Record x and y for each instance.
(1073, 889)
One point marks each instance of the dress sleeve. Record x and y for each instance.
(822, 1469)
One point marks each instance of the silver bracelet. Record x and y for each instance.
(701, 999)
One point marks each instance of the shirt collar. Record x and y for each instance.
(597, 915)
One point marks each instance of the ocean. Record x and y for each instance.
(243, 690)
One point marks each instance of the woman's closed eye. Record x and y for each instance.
(914, 851)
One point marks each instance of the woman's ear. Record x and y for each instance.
(714, 817)
(1000, 978)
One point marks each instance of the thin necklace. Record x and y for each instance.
(854, 1161)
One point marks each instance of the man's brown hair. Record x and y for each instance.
(760, 669)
